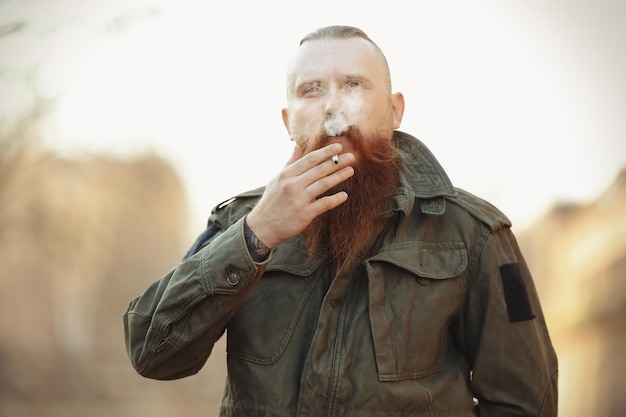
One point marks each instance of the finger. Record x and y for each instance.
(321, 177)
(314, 158)
(322, 184)
(329, 202)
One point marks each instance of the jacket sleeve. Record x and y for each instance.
(514, 365)
(171, 329)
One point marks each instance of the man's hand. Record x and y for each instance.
(290, 202)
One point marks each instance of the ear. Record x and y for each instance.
(285, 113)
(397, 108)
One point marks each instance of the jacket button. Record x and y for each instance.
(233, 278)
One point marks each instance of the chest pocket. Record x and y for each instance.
(415, 290)
(266, 321)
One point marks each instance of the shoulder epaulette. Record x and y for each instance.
(257, 192)
(481, 210)
(230, 210)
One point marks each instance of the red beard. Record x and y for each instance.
(346, 232)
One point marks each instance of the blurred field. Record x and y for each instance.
(80, 237)
(578, 258)
(78, 240)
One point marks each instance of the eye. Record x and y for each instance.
(310, 89)
(354, 84)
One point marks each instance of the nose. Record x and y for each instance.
(333, 102)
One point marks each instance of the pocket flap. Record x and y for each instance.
(439, 260)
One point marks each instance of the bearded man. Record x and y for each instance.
(359, 281)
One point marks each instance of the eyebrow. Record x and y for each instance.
(301, 86)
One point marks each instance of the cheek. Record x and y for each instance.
(378, 119)
(353, 107)
(305, 122)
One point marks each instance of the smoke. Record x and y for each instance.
(347, 115)
(336, 124)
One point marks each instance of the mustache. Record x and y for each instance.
(377, 148)
(321, 138)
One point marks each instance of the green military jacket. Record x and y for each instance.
(441, 315)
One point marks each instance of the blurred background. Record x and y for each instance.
(122, 123)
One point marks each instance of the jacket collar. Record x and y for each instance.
(421, 178)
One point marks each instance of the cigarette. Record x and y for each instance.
(335, 159)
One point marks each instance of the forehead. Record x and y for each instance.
(342, 57)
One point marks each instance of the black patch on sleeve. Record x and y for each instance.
(515, 294)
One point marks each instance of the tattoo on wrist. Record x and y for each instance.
(258, 250)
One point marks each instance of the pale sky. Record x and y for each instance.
(523, 102)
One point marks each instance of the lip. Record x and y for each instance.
(343, 140)
(336, 139)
